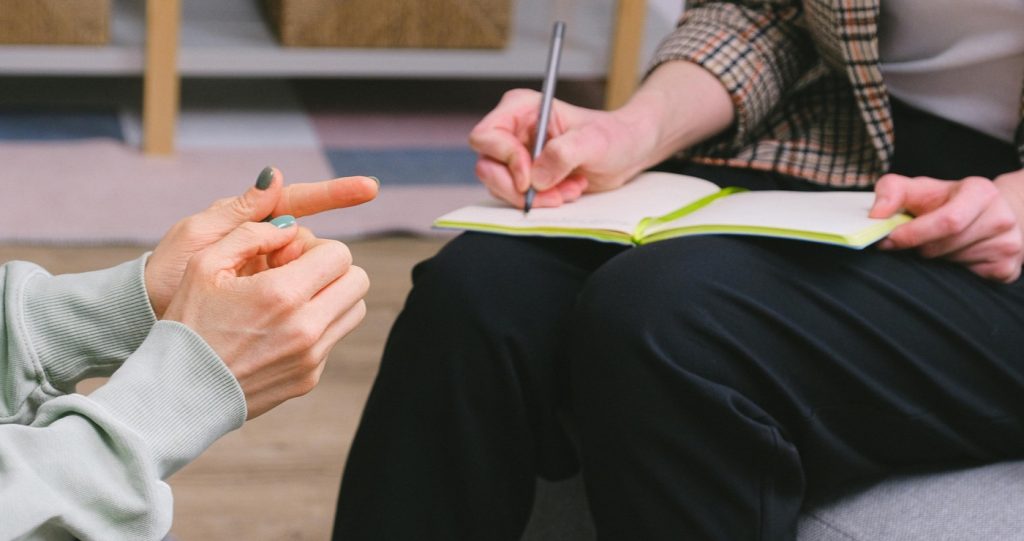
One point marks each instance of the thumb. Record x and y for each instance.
(247, 241)
(254, 205)
(890, 193)
(917, 196)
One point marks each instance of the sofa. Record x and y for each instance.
(981, 503)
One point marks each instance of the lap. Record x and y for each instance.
(904, 361)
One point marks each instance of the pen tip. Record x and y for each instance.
(528, 202)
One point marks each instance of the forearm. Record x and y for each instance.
(679, 105)
(756, 51)
(57, 330)
(93, 467)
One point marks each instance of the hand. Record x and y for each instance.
(586, 150)
(975, 222)
(274, 329)
(190, 235)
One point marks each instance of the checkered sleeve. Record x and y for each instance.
(757, 49)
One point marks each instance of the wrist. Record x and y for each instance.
(639, 128)
(680, 105)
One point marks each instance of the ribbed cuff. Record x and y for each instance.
(89, 323)
(176, 393)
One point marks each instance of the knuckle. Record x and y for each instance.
(1007, 271)
(560, 151)
(342, 253)
(516, 94)
(904, 238)
(981, 183)
(481, 170)
(887, 181)
(283, 298)
(303, 337)
(360, 310)
(953, 221)
(984, 187)
(360, 279)
(218, 203)
(310, 361)
(308, 382)
(1010, 247)
(203, 262)
(1004, 221)
(476, 136)
(189, 227)
(251, 228)
(242, 206)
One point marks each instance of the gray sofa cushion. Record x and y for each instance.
(983, 503)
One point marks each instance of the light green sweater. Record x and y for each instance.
(92, 467)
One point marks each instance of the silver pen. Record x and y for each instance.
(547, 95)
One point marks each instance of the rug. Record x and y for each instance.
(72, 173)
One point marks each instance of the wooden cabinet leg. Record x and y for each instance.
(161, 86)
(625, 53)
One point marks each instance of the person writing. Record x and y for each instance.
(708, 386)
(227, 318)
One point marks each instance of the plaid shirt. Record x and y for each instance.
(805, 80)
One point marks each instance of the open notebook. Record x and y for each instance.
(656, 206)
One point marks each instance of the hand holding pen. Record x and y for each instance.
(574, 149)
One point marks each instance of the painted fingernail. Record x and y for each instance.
(375, 179)
(283, 221)
(266, 175)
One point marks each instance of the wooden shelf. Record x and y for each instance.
(122, 56)
(230, 38)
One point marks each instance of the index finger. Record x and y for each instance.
(918, 195)
(305, 199)
(952, 218)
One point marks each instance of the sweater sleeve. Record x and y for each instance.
(758, 49)
(73, 326)
(92, 467)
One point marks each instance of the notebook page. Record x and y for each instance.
(840, 212)
(649, 194)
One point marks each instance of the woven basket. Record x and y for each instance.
(55, 22)
(468, 24)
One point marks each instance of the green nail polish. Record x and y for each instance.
(375, 179)
(266, 175)
(283, 221)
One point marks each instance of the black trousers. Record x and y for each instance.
(710, 385)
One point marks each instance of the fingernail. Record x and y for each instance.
(284, 221)
(266, 175)
(375, 179)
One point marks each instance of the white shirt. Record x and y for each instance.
(962, 60)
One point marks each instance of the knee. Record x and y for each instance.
(467, 279)
(670, 307)
(671, 285)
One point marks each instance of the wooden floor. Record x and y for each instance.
(277, 477)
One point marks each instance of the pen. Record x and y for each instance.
(547, 94)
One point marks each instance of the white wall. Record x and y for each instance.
(661, 19)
